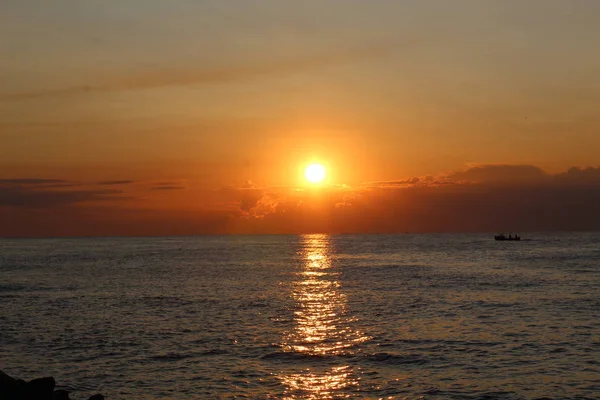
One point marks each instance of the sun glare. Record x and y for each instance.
(315, 173)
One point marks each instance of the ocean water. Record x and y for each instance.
(305, 317)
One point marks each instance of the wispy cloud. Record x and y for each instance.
(50, 193)
(39, 183)
(116, 182)
(150, 79)
(39, 198)
(31, 181)
(168, 187)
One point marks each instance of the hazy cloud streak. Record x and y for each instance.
(168, 187)
(31, 181)
(116, 182)
(198, 76)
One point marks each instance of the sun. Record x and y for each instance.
(315, 173)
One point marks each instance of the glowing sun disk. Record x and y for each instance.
(315, 173)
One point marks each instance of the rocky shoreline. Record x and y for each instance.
(36, 389)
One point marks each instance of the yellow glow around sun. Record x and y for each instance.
(315, 173)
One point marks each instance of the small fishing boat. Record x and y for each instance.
(502, 236)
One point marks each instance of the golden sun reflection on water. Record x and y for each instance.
(322, 327)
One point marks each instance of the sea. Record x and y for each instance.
(410, 316)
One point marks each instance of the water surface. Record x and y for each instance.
(305, 317)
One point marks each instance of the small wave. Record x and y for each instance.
(293, 356)
(11, 288)
(170, 357)
(460, 395)
(397, 359)
(558, 350)
(159, 301)
(585, 271)
(213, 352)
(447, 342)
(254, 304)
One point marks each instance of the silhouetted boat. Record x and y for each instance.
(502, 236)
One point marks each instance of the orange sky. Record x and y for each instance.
(198, 117)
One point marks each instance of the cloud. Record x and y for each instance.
(411, 182)
(32, 195)
(168, 187)
(116, 182)
(39, 183)
(164, 77)
(497, 174)
(480, 198)
(394, 183)
(247, 195)
(576, 175)
(500, 173)
(31, 181)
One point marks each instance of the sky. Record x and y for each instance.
(148, 117)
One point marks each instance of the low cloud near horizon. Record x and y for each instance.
(479, 198)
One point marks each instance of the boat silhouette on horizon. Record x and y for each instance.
(510, 237)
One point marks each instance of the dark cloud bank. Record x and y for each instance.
(116, 182)
(481, 199)
(485, 198)
(48, 193)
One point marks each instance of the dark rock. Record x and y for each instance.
(10, 388)
(5, 379)
(38, 389)
(8, 381)
(60, 395)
